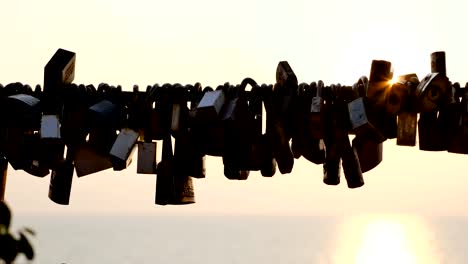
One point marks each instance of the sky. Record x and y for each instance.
(211, 42)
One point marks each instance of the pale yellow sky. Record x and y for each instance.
(143, 42)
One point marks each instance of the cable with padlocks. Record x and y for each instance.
(68, 127)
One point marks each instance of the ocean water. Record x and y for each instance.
(247, 239)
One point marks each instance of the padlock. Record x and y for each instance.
(332, 164)
(432, 92)
(315, 122)
(36, 165)
(61, 183)
(24, 150)
(171, 187)
(349, 157)
(369, 153)
(381, 73)
(299, 133)
(125, 144)
(147, 150)
(53, 145)
(458, 142)
(268, 162)
(104, 118)
(23, 111)
(147, 158)
(58, 71)
(160, 114)
(237, 127)
(406, 112)
(434, 95)
(210, 134)
(359, 118)
(123, 148)
(179, 112)
(278, 106)
(211, 105)
(378, 92)
(186, 154)
(3, 176)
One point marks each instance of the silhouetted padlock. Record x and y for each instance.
(123, 148)
(407, 115)
(369, 153)
(211, 105)
(315, 124)
(209, 129)
(36, 165)
(299, 133)
(434, 94)
(23, 111)
(179, 111)
(381, 73)
(61, 182)
(147, 150)
(349, 157)
(332, 164)
(171, 187)
(93, 156)
(58, 71)
(147, 159)
(160, 113)
(3, 176)
(458, 142)
(278, 106)
(359, 119)
(238, 124)
(186, 153)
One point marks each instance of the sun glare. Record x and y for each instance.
(385, 239)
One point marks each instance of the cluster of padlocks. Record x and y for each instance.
(68, 127)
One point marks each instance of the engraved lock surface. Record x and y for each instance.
(61, 183)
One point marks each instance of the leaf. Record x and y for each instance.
(29, 231)
(25, 247)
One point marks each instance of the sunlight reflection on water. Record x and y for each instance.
(384, 239)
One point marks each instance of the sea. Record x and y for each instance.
(215, 239)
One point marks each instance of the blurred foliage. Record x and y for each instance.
(10, 247)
